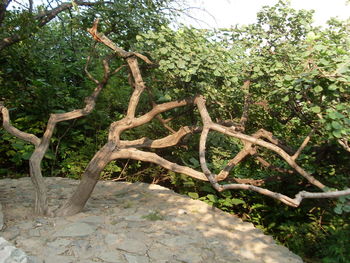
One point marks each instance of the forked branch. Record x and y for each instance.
(120, 149)
(212, 178)
(41, 145)
(141, 149)
(31, 138)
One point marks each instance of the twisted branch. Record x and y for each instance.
(208, 125)
(115, 148)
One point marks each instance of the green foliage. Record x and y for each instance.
(300, 79)
(194, 61)
(44, 74)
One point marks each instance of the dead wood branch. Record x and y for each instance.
(270, 166)
(119, 149)
(41, 145)
(345, 144)
(302, 146)
(31, 138)
(208, 125)
(116, 148)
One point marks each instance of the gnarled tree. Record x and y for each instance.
(141, 149)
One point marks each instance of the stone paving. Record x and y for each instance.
(130, 223)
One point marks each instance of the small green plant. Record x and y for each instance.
(153, 216)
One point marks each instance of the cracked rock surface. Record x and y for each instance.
(131, 223)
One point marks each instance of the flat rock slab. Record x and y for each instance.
(131, 223)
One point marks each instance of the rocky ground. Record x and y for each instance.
(129, 223)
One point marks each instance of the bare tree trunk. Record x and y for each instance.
(88, 181)
(41, 204)
(41, 145)
(115, 148)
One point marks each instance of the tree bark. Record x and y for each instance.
(88, 181)
(41, 145)
(115, 148)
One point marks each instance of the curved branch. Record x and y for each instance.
(270, 166)
(31, 138)
(156, 159)
(88, 74)
(330, 194)
(200, 102)
(202, 159)
(100, 37)
(303, 145)
(168, 141)
(247, 150)
(294, 202)
(118, 127)
(133, 153)
(272, 147)
(283, 198)
(345, 144)
(211, 177)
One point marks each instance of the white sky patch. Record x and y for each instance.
(224, 13)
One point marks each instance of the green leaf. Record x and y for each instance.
(338, 209)
(163, 50)
(344, 68)
(227, 202)
(226, 194)
(346, 208)
(26, 155)
(319, 47)
(279, 65)
(18, 145)
(285, 99)
(171, 65)
(194, 161)
(237, 201)
(208, 188)
(217, 73)
(74, 5)
(332, 87)
(316, 109)
(333, 115)
(193, 195)
(288, 78)
(324, 62)
(50, 155)
(318, 89)
(212, 198)
(181, 64)
(336, 125)
(337, 133)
